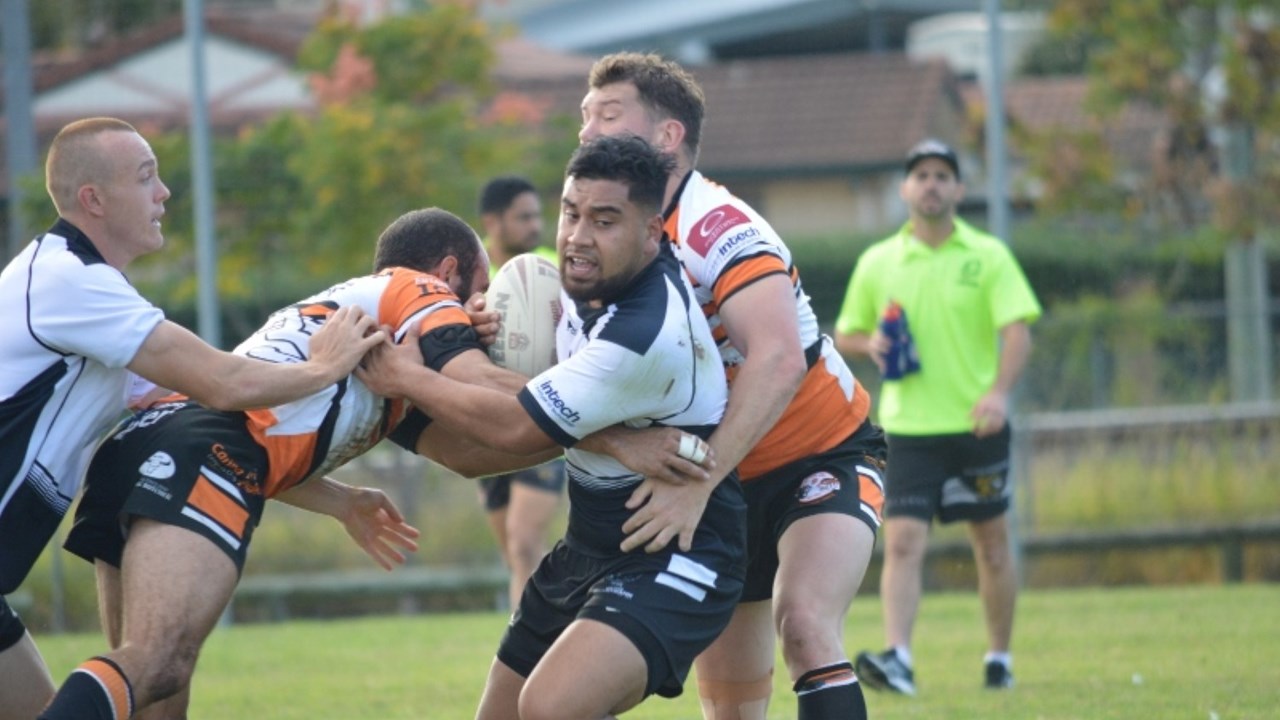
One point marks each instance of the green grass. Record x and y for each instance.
(1192, 652)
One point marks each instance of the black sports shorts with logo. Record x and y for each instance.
(847, 479)
(671, 604)
(180, 464)
(953, 477)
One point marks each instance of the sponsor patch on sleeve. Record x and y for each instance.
(713, 225)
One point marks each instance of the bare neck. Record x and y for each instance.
(932, 232)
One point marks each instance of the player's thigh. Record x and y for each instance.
(25, 684)
(744, 651)
(531, 510)
(501, 696)
(822, 559)
(562, 685)
(176, 584)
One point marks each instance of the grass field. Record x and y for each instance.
(1174, 652)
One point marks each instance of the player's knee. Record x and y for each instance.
(802, 630)
(169, 670)
(732, 700)
(540, 706)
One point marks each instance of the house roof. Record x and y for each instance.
(820, 112)
(1047, 104)
(816, 113)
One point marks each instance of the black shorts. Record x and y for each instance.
(670, 605)
(179, 464)
(951, 477)
(548, 477)
(847, 479)
(11, 628)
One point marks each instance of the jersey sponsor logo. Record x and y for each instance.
(818, 487)
(553, 399)
(714, 224)
(159, 466)
(731, 243)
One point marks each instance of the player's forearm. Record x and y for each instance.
(1015, 351)
(245, 384)
(857, 344)
(322, 495)
(482, 415)
(759, 394)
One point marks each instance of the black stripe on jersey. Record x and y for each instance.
(742, 259)
(540, 418)
(78, 243)
(18, 417)
(324, 433)
(31, 273)
(635, 322)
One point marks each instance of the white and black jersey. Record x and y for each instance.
(646, 359)
(73, 323)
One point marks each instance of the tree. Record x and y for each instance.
(1212, 68)
(407, 118)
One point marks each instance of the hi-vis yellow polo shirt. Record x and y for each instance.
(956, 299)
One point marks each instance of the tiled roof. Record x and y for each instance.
(1047, 104)
(820, 112)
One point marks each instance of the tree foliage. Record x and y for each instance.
(407, 117)
(1208, 66)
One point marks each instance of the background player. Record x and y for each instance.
(520, 505)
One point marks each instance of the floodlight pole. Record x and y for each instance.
(20, 135)
(208, 321)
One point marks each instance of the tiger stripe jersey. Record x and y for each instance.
(724, 246)
(325, 430)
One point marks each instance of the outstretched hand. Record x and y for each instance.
(343, 340)
(377, 526)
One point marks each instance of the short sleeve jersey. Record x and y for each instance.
(73, 323)
(955, 298)
(324, 430)
(725, 245)
(645, 359)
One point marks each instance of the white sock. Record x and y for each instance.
(1004, 658)
(904, 654)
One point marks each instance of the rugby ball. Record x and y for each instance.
(525, 293)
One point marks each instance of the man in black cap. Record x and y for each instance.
(969, 307)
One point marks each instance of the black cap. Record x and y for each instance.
(932, 148)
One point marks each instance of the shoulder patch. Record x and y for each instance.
(712, 225)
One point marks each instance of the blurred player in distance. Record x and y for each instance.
(520, 505)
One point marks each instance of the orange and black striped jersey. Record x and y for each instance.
(724, 246)
(322, 431)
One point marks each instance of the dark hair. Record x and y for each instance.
(663, 86)
(421, 239)
(629, 160)
(500, 192)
